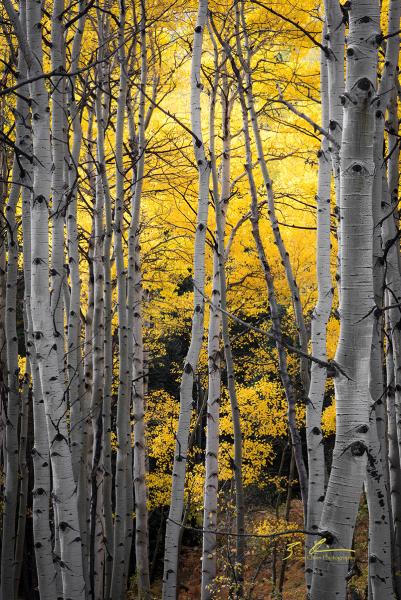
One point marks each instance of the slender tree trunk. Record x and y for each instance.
(191, 360)
(320, 317)
(380, 550)
(209, 550)
(96, 533)
(13, 396)
(59, 149)
(64, 489)
(135, 296)
(285, 258)
(122, 545)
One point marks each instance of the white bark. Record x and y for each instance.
(13, 396)
(135, 298)
(64, 489)
(209, 550)
(96, 529)
(285, 258)
(59, 148)
(191, 360)
(356, 302)
(380, 550)
(320, 317)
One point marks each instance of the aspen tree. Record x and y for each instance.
(78, 405)
(97, 556)
(356, 301)
(320, 317)
(26, 192)
(287, 384)
(107, 396)
(191, 360)
(13, 396)
(122, 545)
(58, 191)
(134, 310)
(380, 543)
(64, 490)
(392, 282)
(380, 577)
(221, 199)
(40, 451)
(285, 258)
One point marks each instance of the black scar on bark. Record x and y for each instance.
(357, 448)
(364, 84)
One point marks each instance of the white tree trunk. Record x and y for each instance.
(191, 360)
(356, 302)
(64, 489)
(209, 550)
(135, 296)
(320, 317)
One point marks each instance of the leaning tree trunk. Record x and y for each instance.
(180, 456)
(241, 26)
(274, 308)
(356, 302)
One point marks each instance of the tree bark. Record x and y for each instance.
(356, 302)
(191, 360)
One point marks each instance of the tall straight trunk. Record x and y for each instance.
(180, 456)
(107, 397)
(59, 148)
(320, 317)
(209, 550)
(380, 559)
(64, 489)
(380, 542)
(393, 452)
(3, 356)
(40, 451)
(393, 291)
(13, 396)
(85, 484)
(356, 302)
(134, 310)
(122, 545)
(78, 405)
(96, 526)
(41, 492)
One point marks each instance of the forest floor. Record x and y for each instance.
(259, 572)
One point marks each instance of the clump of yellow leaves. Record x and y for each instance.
(263, 410)
(329, 419)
